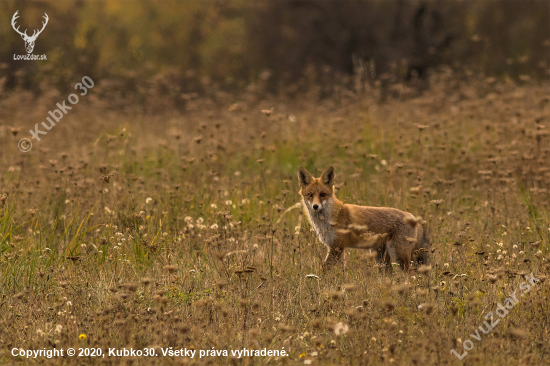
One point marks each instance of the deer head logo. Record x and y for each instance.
(29, 41)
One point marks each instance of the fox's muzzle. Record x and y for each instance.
(315, 207)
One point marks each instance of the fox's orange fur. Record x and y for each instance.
(397, 236)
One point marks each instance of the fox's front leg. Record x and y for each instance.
(336, 250)
(335, 254)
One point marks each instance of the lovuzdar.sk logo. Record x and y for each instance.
(29, 40)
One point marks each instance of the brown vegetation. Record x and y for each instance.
(154, 226)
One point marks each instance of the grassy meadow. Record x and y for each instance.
(140, 223)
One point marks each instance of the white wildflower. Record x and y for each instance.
(340, 329)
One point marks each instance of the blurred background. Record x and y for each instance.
(188, 47)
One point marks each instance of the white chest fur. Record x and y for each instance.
(320, 220)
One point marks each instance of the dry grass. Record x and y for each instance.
(159, 230)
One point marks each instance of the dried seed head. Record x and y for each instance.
(335, 295)
(350, 287)
(427, 306)
(421, 127)
(454, 310)
(3, 198)
(146, 281)
(287, 328)
(492, 278)
(18, 295)
(184, 328)
(221, 285)
(517, 333)
(224, 310)
(389, 304)
(424, 270)
(358, 229)
(131, 287)
(413, 221)
(401, 289)
(317, 324)
(170, 268)
(421, 292)
(243, 302)
(371, 255)
(220, 255)
(254, 333)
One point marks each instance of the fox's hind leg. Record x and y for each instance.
(382, 255)
(400, 250)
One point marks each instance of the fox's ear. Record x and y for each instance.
(304, 177)
(328, 176)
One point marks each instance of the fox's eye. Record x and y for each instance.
(310, 195)
(323, 194)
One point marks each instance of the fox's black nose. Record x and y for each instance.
(315, 206)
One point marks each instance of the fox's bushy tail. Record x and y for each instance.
(425, 245)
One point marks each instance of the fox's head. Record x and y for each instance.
(317, 192)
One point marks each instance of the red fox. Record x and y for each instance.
(398, 236)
